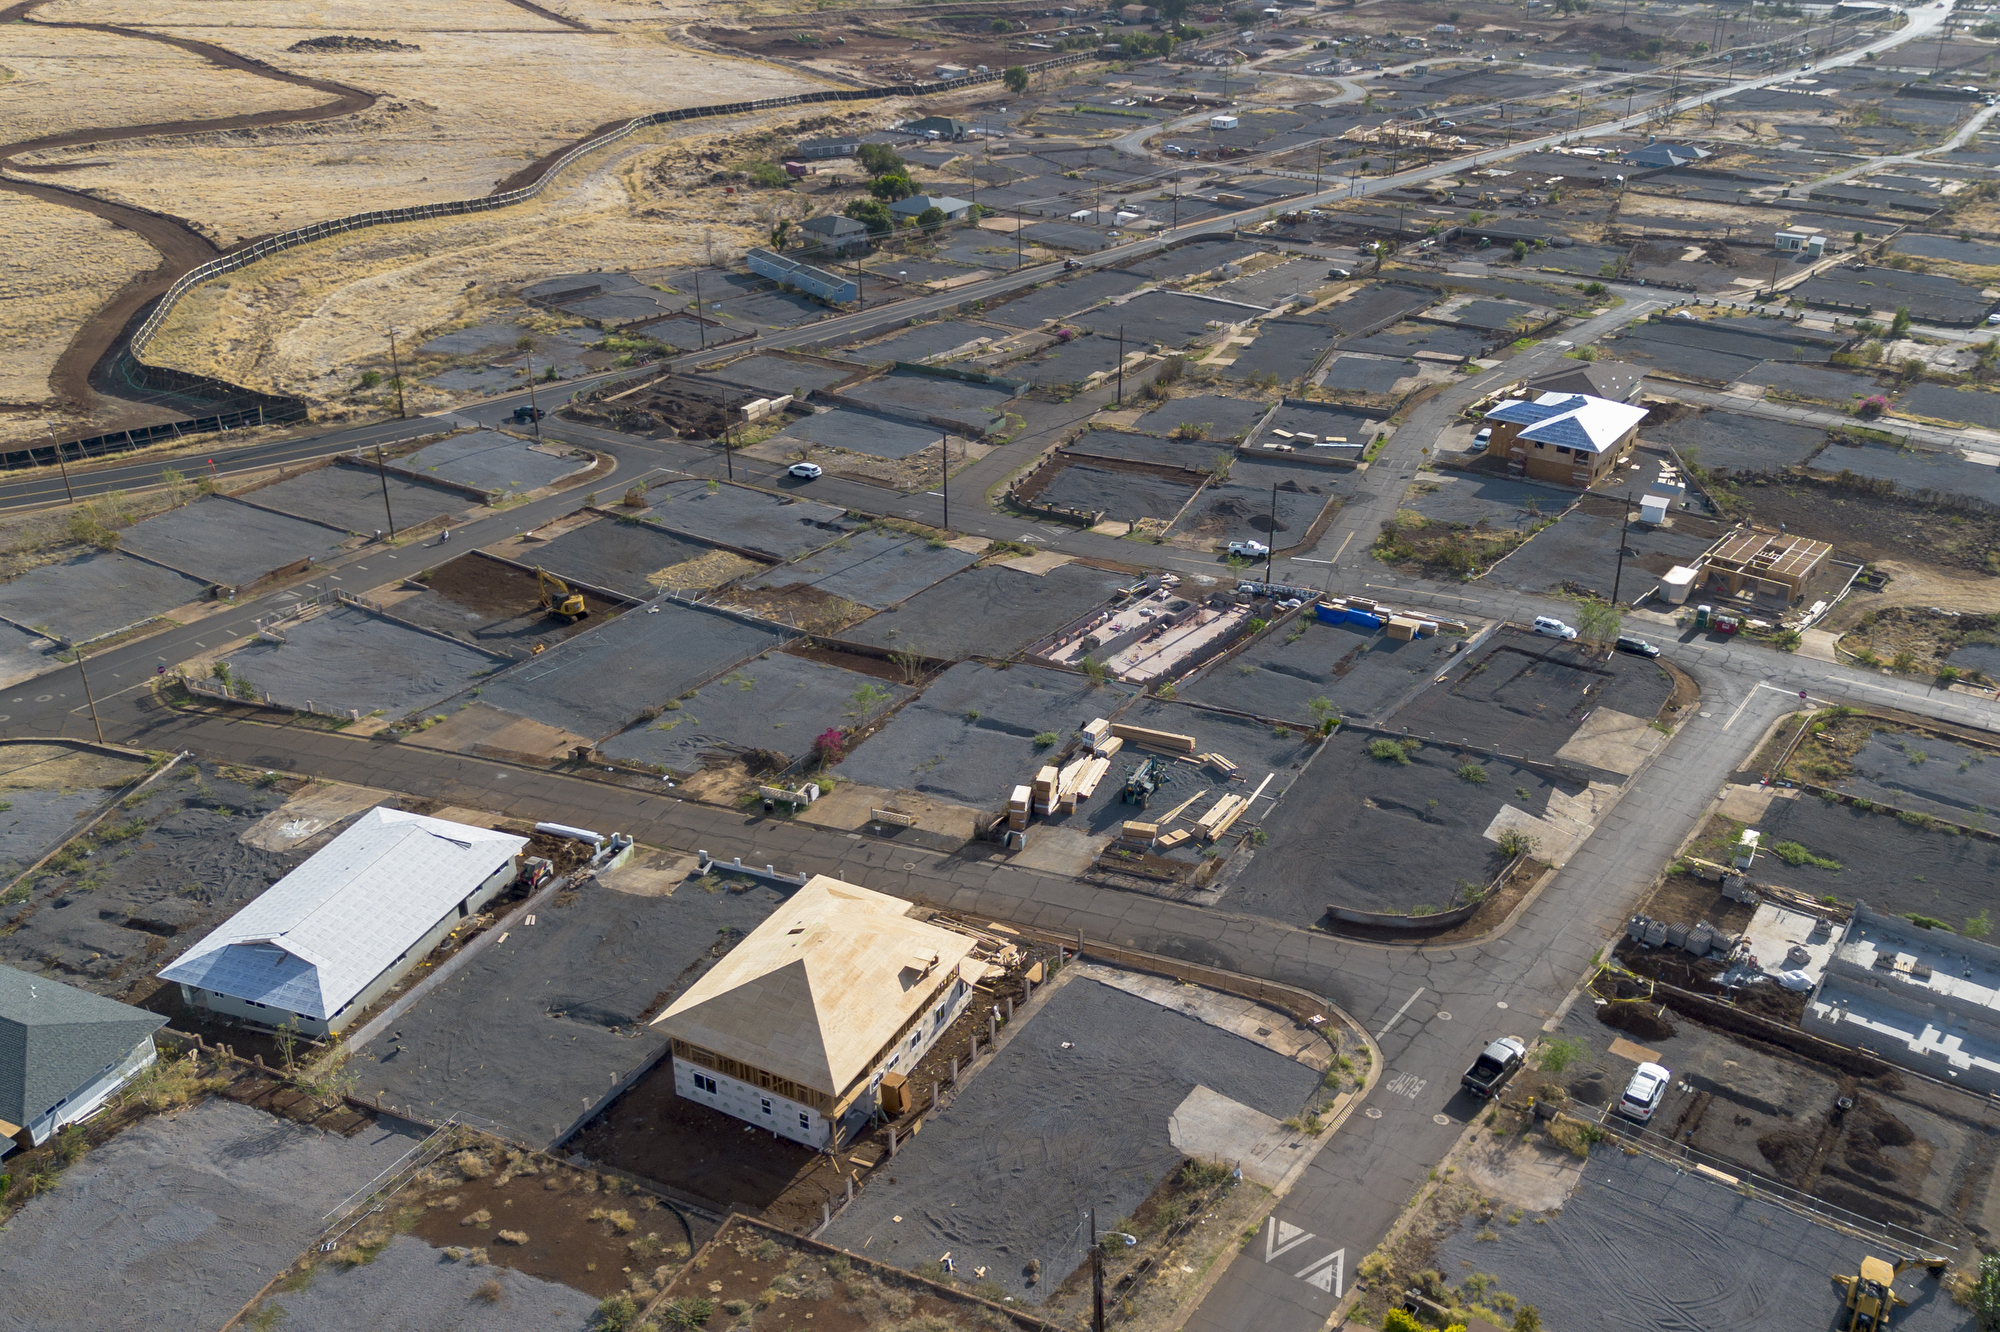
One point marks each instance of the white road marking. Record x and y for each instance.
(1409, 1084)
(1281, 1237)
(1329, 1273)
(1399, 1013)
(1739, 710)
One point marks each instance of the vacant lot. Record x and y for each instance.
(351, 497)
(46, 790)
(348, 659)
(94, 594)
(180, 1220)
(494, 605)
(1735, 443)
(765, 525)
(1894, 864)
(620, 554)
(1072, 1113)
(411, 1284)
(228, 542)
(873, 568)
(991, 611)
(1360, 674)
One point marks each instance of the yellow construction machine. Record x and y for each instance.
(557, 599)
(1871, 1293)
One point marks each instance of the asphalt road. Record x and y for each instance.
(1428, 1008)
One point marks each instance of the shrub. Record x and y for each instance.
(1046, 739)
(490, 1292)
(615, 1313)
(1514, 842)
(1389, 751)
(1795, 855)
(829, 745)
(1472, 772)
(1558, 1055)
(687, 1313)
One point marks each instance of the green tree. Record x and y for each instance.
(891, 187)
(1527, 1319)
(878, 159)
(1016, 77)
(873, 214)
(1901, 323)
(931, 218)
(781, 233)
(1597, 622)
(1985, 1295)
(1520, 249)
(1173, 11)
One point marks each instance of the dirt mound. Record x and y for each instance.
(1590, 1089)
(351, 44)
(659, 411)
(1880, 1146)
(1790, 1152)
(1636, 1019)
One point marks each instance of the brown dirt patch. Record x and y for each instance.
(1415, 544)
(1645, 1021)
(1913, 638)
(1873, 527)
(799, 604)
(1684, 899)
(500, 591)
(660, 411)
(879, 667)
(1918, 585)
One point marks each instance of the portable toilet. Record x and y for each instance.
(1702, 615)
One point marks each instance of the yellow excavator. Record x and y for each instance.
(557, 599)
(1871, 1293)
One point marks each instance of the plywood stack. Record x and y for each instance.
(1067, 782)
(1093, 773)
(1096, 732)
(1220, 764)
(1110, 746)
(1143, 738)
(1220, 815)
(1019, 805)
(1137, 833)
(1045, 790)
(1172, 839)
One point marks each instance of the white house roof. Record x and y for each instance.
(820, 988)
(320, 935)
(1574, 420)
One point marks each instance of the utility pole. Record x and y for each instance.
(61, 464)
(396, 368)
(1121, 365)
(944, 447)
(1271, 546)
(700, 324)
(728, 457)
(534, 412)
(1096, 1278)
(382, 473)
(1619, 577)
(93, 705)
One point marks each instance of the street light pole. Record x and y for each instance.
(534, 412)
(396, 368)
(383, 473)
(944, 447)
(699, 323)
(1096, 1278)
(1121, 365)
(1618, 578)
(60, 463)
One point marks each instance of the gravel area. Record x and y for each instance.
(1170, 318)
(1927, 296)
(222, 541)
(1375, 304)
(93, 594)
(1409, 339)
(1721, 350)
(874, 569)
(1472, 498)
(1363, 675)
(1692, 1253)
(775, 376)
(1735, 442)
(1981, 657)
(1582, 548)
(1267, 287)
(1590, 261)
(1196, 455)
(45, 791)
(1810, 381)
(411, 1287)
(1070, 363)
(863, 432)
(1496, 315)
(351, 497)
(1885, 862)
(970, 737)
(924, 340)
(1950, 404)
(619, 556)
(1125, 496)
(597, 683)
(1978, 253)
(493, 462)
(348, 659)
(1364, 374)
(1367, 833)
(1525, 694)
(991, 611)
(1287, 348)
(1196, 257)
(1242, 506)
(1928, 774)
(769, 525)
(1001, 1176)
(539, 1024)
(969, 407)
(1227, 418)
(1056, 299)
(1066, 236)
(1914, 471)
(777, 703)
(744, 301)
(180, 1220)
(138, 901)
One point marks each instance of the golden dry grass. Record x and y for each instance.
(68, 79)
(46, 292)
(361, 18)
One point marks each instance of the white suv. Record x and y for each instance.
(1554, 628)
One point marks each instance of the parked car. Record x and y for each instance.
(1993, 319)
(529, 413)
(1485, 435)
(809, 471)
(1496, 1063)
(1554, 628)
(1338, 273)
(1644, 1092)
(1638, 647)
(1255, 549)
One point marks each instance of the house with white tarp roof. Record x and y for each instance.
(328, 939)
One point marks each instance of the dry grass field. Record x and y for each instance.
(70, 79)
(360, 18)
(47, 293)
